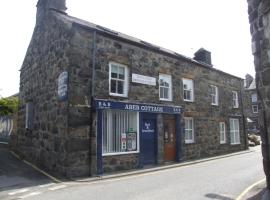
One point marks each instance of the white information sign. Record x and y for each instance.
(147, 80)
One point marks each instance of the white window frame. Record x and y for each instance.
(222, 132)
(125, 86)
(126, 152)
(235, 99)
(214, 96)
(190, 88)
(234, 131)
(254, 98)
(168, 79)
(192, 140)
(255, 110)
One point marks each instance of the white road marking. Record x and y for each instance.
(47, 185)
(29, 195)
(57, 187)
(18, 191)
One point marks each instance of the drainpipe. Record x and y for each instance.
(92, 98)
(243, 116)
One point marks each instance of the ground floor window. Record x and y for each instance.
(189, 130)
(222, 132)
(234, 131)
(119, 131)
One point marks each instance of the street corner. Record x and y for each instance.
(16, 174)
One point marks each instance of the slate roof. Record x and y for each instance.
(137, 41)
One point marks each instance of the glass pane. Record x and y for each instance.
(114, 71)
(166, 93)
(161, 82)
(120, 89)
(121, 73)
(113, 86)
(188, 95)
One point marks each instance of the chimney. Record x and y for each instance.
(44, 6)
(248, 80)
(203, 56)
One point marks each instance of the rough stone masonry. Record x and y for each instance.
(61, 135)
(259, 18)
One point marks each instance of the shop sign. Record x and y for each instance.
(148, 127)
(104, 104)
(63, 86)
(147, 80)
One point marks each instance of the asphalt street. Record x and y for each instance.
(15, 175)
(222, 179)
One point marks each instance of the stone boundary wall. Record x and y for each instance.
(259, 18)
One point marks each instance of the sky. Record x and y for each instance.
(183, 26)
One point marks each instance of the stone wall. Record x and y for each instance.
(150, 63)
(63, 138)
(45, 143)
(259, 18)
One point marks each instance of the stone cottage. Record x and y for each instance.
(93, 100)
(251, 105)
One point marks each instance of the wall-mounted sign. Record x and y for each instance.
(148, 127)
(63, 86)
(105, 104)
(147, 80)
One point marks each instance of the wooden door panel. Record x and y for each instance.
(169, 139)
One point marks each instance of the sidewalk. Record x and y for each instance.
(257, 193)
(157, 168)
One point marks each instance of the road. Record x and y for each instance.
(222, 179)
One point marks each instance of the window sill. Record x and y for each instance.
(165, 99)
(189, 142)
(119, 153)
(118, 95)
(235, 143)
(222, 143)
(188, 100)
(214, 104)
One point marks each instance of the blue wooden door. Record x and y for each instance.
(148, 139)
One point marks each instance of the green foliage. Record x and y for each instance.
(8, 105)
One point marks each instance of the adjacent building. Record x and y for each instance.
(93, 100)
(251, 106)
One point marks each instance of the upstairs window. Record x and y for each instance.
(255, 109)
(235, 99)
(254, 98)
(214, 95)
(188, 90)
(165, 87)
(118, 79)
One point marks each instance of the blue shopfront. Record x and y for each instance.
(151, 133)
